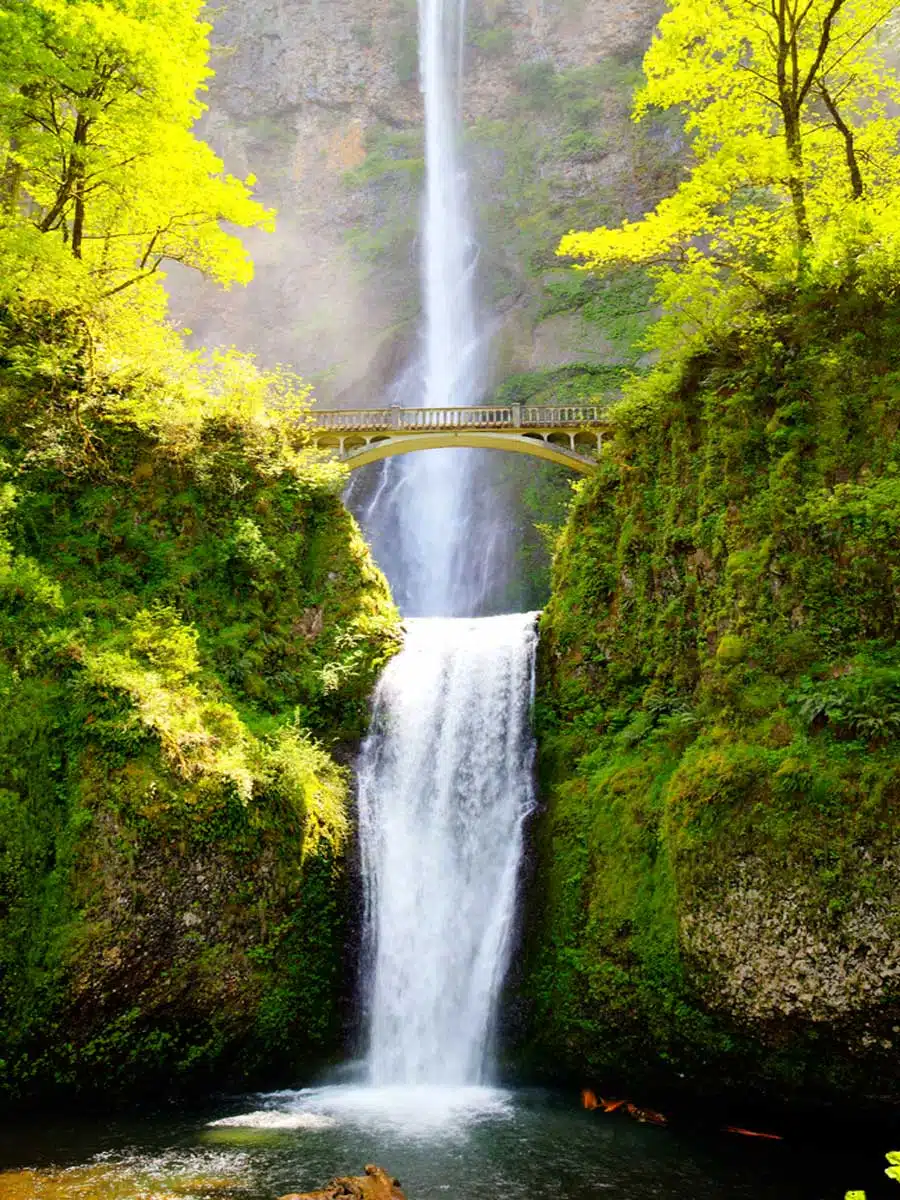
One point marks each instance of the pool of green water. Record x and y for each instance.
(443, 1144)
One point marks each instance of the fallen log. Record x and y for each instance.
(376, 1184)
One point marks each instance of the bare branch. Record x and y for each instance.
(856, 180)
(824, 43)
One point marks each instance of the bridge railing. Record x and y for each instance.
(510, 416)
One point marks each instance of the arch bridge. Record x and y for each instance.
(570, 435)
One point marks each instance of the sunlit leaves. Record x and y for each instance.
(97, 103)
(791, 117)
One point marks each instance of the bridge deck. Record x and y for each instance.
(570, 435)
(510, 416)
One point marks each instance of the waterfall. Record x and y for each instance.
(420, 516)
(432, 516)
(445, 784)
(445, 777)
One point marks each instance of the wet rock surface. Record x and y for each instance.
(376, 1184)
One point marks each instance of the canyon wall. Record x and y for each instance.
(321, 102)
(716, 898)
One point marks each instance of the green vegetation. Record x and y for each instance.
(183, 610)
(541, 165)
(795, 166)
(718, 712)
(892, 1172)
(719, 690)
(103, 180)
(190, 623)
(494, 43)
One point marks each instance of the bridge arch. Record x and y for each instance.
(381, 448)
(568, 435)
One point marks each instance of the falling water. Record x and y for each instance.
(445, 786)
(445, 776)
(432, 518)
(419, 515)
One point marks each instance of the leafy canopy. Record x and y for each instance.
(791, 118)
(101, 177)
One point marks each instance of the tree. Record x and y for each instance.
(793, 139)
(102, 178)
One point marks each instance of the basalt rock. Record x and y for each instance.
(327, 113)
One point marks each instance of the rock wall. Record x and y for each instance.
(182, 615)
(716, 903)
(321, 101)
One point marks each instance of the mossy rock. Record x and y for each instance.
(718, 864)
(186, 642)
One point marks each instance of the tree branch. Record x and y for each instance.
(824, 43)
(856, 180)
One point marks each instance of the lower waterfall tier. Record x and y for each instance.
(445, 785)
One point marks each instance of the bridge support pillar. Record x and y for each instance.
(517, 415)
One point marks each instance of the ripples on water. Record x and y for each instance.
(443, 1144)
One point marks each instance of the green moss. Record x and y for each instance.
(493, 43)
(731, 650)
(406, 55)
(185, 636)
(583, 382)
(718, 694)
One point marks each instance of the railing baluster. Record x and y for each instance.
(507, 416)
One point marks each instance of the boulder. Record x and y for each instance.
(376, 1184)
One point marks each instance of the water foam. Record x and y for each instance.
(445, 784)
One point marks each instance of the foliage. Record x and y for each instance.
(103, 179)
(189, 621)
(863, 704)
(718, 688)
(620, 305)
(584, 382)
(389, 152)
(495, 43)
(794, 173)
(892, 1172)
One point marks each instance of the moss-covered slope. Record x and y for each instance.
(181, 614)
(718, 893)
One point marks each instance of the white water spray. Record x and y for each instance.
(445, 787)
(420, 517)
(445, 778)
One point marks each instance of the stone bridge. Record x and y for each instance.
(568, 434)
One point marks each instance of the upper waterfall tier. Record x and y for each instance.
(421, 519)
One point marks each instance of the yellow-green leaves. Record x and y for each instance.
(97, 154)
(791, 116)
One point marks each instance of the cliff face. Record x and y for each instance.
(180, 617)
(321, 102)
(718, 895)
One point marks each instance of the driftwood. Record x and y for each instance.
(374, 1185)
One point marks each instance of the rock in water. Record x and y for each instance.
(376, 1184)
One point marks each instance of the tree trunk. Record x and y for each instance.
(11, 180)
(79, 145)
(856, 179)
(789, 103)
(795, 180)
